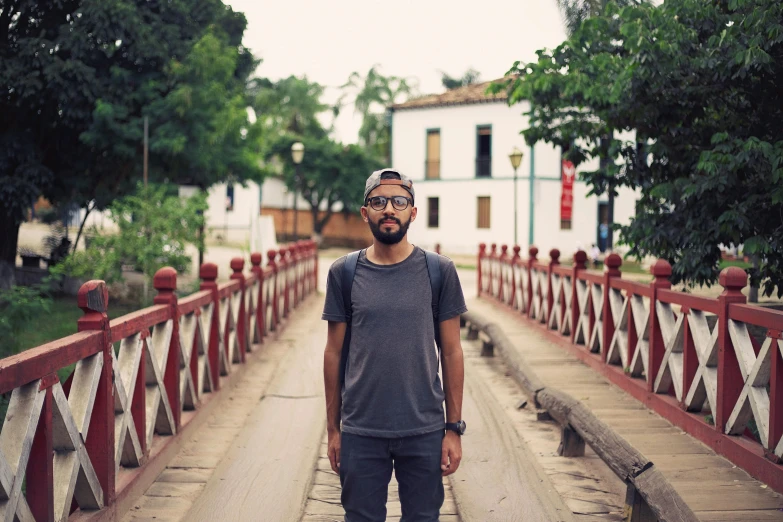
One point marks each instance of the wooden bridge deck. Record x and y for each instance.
(261, 455)
(714, 488)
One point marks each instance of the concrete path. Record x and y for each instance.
(713, 487)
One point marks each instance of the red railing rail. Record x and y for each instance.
(713, 366)
(137, 381)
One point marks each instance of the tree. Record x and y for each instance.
(374, 94)
(469, 77)
(697, 83)
(79, 76)
(330, 173)
(155, 227)
(575, 12)
(290, 105)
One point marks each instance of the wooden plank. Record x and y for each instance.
(498, 478)
(35, 363)
(285, 429)
(750, 515)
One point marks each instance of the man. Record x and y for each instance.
(388, 411)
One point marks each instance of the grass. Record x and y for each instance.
(734, 262)
(59, 322)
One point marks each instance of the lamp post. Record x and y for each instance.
(297, 153)
(516, 159)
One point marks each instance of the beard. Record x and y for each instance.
(389, 238)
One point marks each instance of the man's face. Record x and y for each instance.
(389, 225)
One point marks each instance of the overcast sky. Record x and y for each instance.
(327, 41)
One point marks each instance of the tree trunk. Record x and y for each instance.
(81, 227)
(9, 239)
(200, 245)
(753, 292)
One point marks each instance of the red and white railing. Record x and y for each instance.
(709, 365)
(139, 380)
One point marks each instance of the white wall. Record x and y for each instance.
(458, 187)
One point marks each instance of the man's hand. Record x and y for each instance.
(333, 450)
(451, 454)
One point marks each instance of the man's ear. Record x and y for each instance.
(414, 212)
(366, 218)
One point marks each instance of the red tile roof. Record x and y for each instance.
(469, 94)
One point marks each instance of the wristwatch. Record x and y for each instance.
(457, 427)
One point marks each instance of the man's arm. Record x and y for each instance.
(453, 380)
(332, 354)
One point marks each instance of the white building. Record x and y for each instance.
(456, 146)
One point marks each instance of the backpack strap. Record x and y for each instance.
(346, 283)
(433, 270)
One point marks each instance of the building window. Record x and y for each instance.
(484, 151)
(229, 197)
(565, 224)
(432, 212)
(432, 167)
(483, 212)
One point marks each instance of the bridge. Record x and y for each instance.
(588, 396)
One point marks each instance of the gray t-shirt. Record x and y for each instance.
(392, 388)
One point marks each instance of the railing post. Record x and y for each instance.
(612, 264)
(282, 271)
(482, 253)
(208, 275)
(293, 252)
(303, 274)
(93, 299)
(531, 260)
(661, 271)
(314, 265)
(237, 266)
(502, 260)
(730, 378)
(255, 260)
(515, 261)
(291, 278)
(165, 282)
(271, 254)
(493, 258)
(580, 263)
(554, 260)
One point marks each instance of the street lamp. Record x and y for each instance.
(516, 159)
(297, 153)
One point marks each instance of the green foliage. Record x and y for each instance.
(330, 173)
(697, 84)
(200, 129)
(155, 228)
(290, 105)
(80, 75)
(374, 93)
(19, 306)
(577, 11)
(469, 77)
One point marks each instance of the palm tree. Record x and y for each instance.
(374, 94)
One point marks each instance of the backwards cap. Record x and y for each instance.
(388, 177)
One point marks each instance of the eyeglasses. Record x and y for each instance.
(379, 202)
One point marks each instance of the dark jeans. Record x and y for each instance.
(366, 468)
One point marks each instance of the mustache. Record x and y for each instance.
(380, 221)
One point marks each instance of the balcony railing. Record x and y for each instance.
(483, 167)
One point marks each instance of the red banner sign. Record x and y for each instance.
(567, 192)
